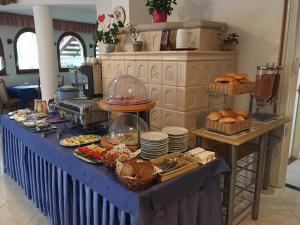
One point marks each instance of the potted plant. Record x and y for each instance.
(137, 44)
(160, 9)
(108, 33)
(229, 42)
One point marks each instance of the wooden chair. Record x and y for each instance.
(6, 102)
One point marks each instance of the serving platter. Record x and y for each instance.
(85, 158)
(80, 140)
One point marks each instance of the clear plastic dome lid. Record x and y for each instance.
(124, 129)
(126, 90)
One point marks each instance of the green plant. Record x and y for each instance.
(232, 37)
(108, 33)
(134, 33)
(161, 5)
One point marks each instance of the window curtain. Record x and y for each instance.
(11, 19)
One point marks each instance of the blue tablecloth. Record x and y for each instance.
(70, 191)
(25, 93)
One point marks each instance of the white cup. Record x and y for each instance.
(88, 60)
(94, 60)
(185, 38)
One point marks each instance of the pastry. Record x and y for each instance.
(237, 76)
(127, 170)
(228, 113)
(241, 112)
(138, 169)
(144, 170)
(243, 81)
(240, 118)
(214, 116)
(227, 120)
(225, 80)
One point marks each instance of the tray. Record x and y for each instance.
(85, 158)
(231, 90)
(63, 143)
(228, 128)
(35, 130)
(192, 164)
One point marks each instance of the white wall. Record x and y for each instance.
(257, 22)
(138, 13)
(13, 78)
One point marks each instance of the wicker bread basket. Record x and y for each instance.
(228, 128)
(231, 90)
(134, 184)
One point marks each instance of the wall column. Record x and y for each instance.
(46, 50)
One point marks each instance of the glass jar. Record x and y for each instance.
(264, 83)
(277, 71)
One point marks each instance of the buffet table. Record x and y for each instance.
(70, 191)
(26, 93)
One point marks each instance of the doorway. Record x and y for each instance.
(293, 170)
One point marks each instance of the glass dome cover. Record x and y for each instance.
(126, 90)
(124, 129)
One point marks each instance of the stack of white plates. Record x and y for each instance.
(154, 144)
(178, 138)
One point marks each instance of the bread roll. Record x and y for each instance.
(225, 80)
(243, 81)
(241, 112)
(144, 170)
(228, 113)
(127, 170)
(237, 76)
(240, 118)
(227, 120)
(214, 116)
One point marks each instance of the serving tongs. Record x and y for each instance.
(169, 165)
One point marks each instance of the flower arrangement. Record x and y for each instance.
(108, 33)
(134, 33)
(159, 9)
(135, 36)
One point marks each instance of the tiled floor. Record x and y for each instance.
(293, 173)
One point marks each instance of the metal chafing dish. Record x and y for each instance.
(82, 112)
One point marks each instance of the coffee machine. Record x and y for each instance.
(93, 87)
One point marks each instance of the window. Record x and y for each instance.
(71, 51)
(96, 50)
(2, 60)
(26, 53)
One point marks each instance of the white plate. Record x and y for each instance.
(154, 142)
(175, 131)
(152, 154)
(151, 157)
(155, 151)
(154, 146)
(154, 136)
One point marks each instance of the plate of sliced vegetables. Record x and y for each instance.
(90, 153)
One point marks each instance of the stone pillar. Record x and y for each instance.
(46, 50)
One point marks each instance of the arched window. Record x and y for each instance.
(2, 59)
(71, 51)
(26, 53)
